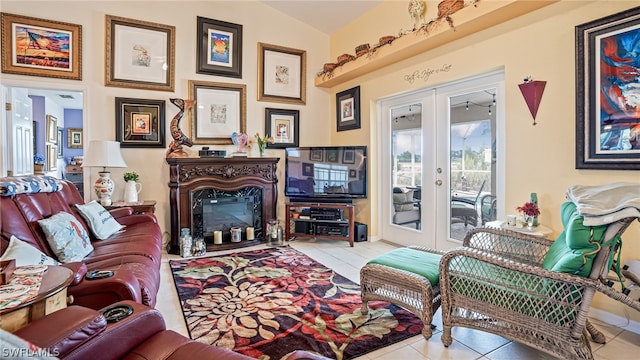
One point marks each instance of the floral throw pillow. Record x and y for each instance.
(66, 236)
(25, 254)
(100, 221)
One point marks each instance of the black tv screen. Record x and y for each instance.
(326, 172)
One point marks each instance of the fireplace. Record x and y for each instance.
(215, 210)
(211, 194)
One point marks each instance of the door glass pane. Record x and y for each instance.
(472, 161)
(406, 173)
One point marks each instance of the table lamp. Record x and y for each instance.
(104, 154)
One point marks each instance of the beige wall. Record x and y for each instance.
(260, 24)
(540, 44)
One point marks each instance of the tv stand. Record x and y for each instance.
(320, 220)
(323, 200)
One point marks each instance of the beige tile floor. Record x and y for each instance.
(468, 344)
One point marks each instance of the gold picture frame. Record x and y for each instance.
(220, 110)
(52, 157)
(282, 74)
(128, 63)
(52, 129)
(74, 138)
(59, 52)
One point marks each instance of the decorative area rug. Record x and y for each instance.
(268, 303)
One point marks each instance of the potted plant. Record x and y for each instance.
(132, 187)
(38, 164)
(131, 176)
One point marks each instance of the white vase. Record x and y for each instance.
(131, 190)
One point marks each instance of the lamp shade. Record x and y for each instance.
(103, 154)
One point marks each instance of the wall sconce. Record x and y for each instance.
(532, 93)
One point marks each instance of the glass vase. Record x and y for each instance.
(262, 148)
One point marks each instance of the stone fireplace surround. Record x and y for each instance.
(187, 176)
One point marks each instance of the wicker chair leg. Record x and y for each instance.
(597, 336)
(365, 308)
(446, 336)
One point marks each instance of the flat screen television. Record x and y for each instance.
(326, 173)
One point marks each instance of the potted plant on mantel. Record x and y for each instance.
(132, 187)
(38, 164)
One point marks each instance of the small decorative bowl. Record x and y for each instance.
(345, 58)
(362, 49)
(329, 66)
(387, 39)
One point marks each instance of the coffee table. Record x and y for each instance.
(51, 297)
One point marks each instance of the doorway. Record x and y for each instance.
(442, 168)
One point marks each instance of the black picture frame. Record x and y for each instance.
(60, 142)
(332, 155)
(316, 155)
(225, 62)
(600, 121)
(283, 126)
(348, 109)
(307, 169)
(140, 123)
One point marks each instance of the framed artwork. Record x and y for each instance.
(60, 141)
(607, 123)
(219, 48)
(139, 54)
(315, 155)
(39, 47)
(74, 138)
(220, 111)
(307, 169)
(52, 157)
(348, 157)
(348, 109)
(282, 125)
(353, 173)
(52, 129)
(140, 122)
(333, 155)
(282, 74)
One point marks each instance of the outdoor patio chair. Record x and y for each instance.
(529, 289)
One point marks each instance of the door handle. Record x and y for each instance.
(439, 182)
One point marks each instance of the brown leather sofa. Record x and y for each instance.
(133, 254)
(80, 333)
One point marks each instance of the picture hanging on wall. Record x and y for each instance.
(39, 47)
(60, 141)
(282, 74)
(348, 109)
(140, 122)
(282, 125)
(220, 111)
(607, 125)
(219, 48)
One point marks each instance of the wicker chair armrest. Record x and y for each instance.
(448, 265)
(427, 249)
(510, 244)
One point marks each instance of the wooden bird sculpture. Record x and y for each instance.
(179, 138)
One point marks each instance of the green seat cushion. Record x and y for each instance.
(422, 263)
(576, 247)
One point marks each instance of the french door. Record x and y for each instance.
(441, 170)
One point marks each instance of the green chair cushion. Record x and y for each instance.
(422, 263)
(576, 247)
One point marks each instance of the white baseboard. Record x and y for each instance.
(615, 320)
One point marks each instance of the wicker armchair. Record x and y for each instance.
(496, 283)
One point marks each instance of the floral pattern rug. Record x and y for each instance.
(268, 303)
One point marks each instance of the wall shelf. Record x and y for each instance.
(467, 21)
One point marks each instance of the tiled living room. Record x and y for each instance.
(466, 110)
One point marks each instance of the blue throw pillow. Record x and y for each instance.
(66, 236)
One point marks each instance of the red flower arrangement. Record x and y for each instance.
(529, 209)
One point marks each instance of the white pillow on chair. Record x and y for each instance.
(26, 254)
(100, 221)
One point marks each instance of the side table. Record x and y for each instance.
(147, 206)
(539, 230)
(51, 297)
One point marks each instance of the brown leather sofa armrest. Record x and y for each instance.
(96, 294)
(137, 218)
(121, 212)
(119, 338)
(64, 330)
(79, 270)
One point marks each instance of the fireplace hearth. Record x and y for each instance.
(216, 194)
